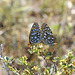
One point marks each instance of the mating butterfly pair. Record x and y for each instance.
(44, 35)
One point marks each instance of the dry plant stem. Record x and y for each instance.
(46, 61)
(55, 67)
(1, 46)
(28, 67)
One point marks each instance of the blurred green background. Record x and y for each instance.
(18, 16)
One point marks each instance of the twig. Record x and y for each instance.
(28, 67)
(46, 61)
(1, 46)
(55, 67)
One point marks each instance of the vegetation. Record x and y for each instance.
(65, 65)
(16, 19)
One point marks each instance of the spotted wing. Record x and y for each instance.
(34, 36)
(47, 35)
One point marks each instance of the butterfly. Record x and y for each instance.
(43, 35)
(47, 35)
(34, 36)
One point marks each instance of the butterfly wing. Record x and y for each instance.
(34, 36)
(47, 35)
